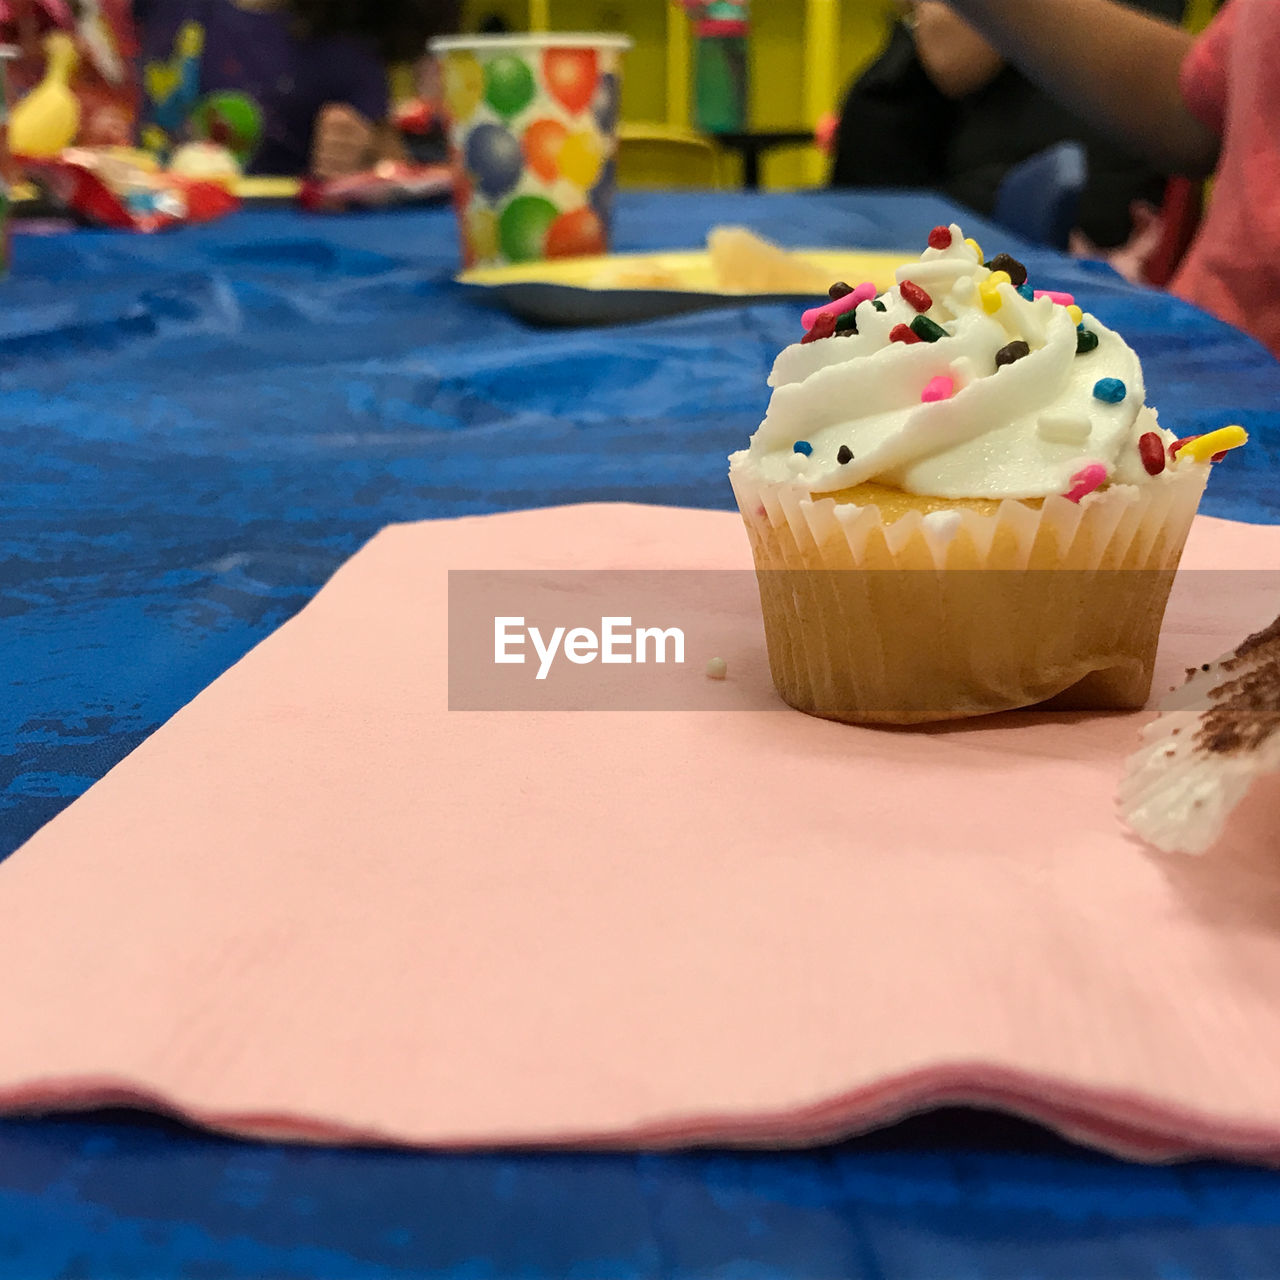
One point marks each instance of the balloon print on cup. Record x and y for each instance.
(494, 160)
(509, 85)
(533, 131)
(543, 140)
(576, 234)
(571, 76)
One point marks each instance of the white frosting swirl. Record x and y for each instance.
(1022, 430)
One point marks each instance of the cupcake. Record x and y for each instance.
(960, 503)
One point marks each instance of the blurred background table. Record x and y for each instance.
(197, 430)
(755, 143)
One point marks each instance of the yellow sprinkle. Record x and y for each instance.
(977, 248)
(1203, 448)
(989, 291)
(1077, 316)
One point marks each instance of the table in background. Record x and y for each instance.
(752, 145)
(195, 431)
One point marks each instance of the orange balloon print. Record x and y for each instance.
(571, 76)
(542, 142)
(576, 234)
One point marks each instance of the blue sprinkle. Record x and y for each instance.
(803, 446)
(1110, 390)
(1027, 292)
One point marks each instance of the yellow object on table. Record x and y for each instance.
(47, 120)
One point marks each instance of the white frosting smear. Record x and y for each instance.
(1021, 430)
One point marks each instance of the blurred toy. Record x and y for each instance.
(421, 126)
(109, 188)
(102, 83)
(206, 161)
(388, 185)
(48, 118)
(174, 86)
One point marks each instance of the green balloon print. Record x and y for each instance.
(523, 227)
(508, 85)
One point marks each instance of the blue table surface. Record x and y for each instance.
(195, 431)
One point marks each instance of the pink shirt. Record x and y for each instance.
(1231, 83)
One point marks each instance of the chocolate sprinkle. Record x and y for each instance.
(1246, 710)
(839, 290)
(845, 455)
(1017, 272)
(1014, 352)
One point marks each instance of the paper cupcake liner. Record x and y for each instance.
(958, 614)
(1214, 737)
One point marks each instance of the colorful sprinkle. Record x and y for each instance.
(847, 324)
(977, 248)
(939, 388)
(928, 330)
(1014, 352)
(1077, 316)
(989, 291)
(837, 308)
(903, 333)
(940, 238)
(823, 327)
(717, 669)
(1085, 481)
(1151, 448)
(915, 295)
(1109, 390)
(1025, 291)
(1208, 448)
(879, 306)
(802, 446)
(1062, 299)
(1086, 341)
(839, 290)
(845, 455)
(1016, 272)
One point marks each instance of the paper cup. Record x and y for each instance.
(533, 131)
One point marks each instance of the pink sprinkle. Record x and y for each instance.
(1085, 481)
(940, 388)
(1062, 299)
(863, 293)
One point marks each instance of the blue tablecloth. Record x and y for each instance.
(194, 432)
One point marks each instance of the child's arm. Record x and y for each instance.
(1110, 64)
(958, 60)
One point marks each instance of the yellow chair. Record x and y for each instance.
(663, 155)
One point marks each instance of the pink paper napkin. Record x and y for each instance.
(319, 904)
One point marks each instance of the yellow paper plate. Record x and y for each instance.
(613, 289)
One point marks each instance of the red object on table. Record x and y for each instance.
(391, 184)
(84, 192)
